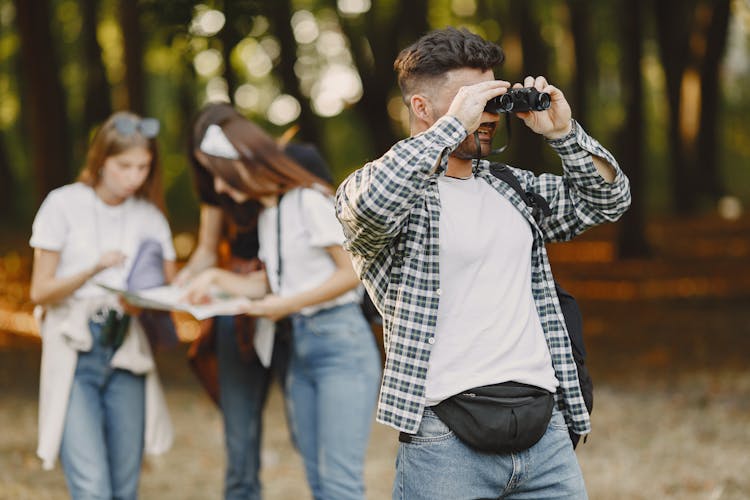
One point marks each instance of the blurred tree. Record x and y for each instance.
(159, 46)
(132, 39)
(97, 105)
(238, 14)
(632, 241)
(692, 38)
(279, 13)
(673, 19)
(174, 94)
(528, 149)
(7, 179)
(7, 183)
(167, 23)
(375, 40)
(710, 183)
(580, 28)
(43, 100)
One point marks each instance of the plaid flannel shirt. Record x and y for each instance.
(390, 211)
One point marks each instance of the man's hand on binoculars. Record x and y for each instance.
(552, 123)
(468, 105)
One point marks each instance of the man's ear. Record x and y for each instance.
(421, 107)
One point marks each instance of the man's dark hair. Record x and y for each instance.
(440, 51)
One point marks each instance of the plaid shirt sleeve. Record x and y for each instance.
(580, 198)
(373, 202)
(389, 210)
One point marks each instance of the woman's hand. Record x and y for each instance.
(109, 259)
(47, 288)
(183, 277)
(272, 307)
(197, 290)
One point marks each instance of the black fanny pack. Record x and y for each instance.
(500, 418)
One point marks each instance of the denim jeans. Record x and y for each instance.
(436, 465)
(102, 443)
(334, 377)
(243, 389)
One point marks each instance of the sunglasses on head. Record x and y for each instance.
(128, 125)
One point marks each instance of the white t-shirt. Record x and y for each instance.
(75, 222)
(488, 329)
(308, 226)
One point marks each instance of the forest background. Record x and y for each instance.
(663, 84)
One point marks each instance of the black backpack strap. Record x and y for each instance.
(535, 201)
(568, 305)
(278, 241)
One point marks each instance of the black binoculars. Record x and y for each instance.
(518, 100)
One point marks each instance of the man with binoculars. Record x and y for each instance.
(479, 376)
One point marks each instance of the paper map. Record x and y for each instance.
(169, 298)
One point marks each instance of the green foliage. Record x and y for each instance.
(175, 91)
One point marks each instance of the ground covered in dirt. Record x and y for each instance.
(668, 340)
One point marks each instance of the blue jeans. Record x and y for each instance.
(243, 389)
(436, 465)
(102, 443)
(334, 377)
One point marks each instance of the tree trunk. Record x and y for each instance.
(132, 37)
(709, 176)
(98, 105)
(527, 147)
(375, 41)
(673, 20)
(632, 240)
(280, 13)
(44, 100)
(580, 27)
(7, 186)
(230, 36)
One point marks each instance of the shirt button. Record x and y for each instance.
(431, 340)
(439, 291)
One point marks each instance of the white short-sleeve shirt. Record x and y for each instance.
(308, 226)
(75, 222)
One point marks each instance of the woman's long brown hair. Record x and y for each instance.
(108, 141)
(262, 160)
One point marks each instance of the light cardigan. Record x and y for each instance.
(65, 331)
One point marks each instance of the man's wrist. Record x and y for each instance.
(562, 136)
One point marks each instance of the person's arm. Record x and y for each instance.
(581, 197)
(556, 123)
(373, 202)
(170, 270)
(341, 281)
(592, 190)
(252, 285)
(47, 289)
(205, 254)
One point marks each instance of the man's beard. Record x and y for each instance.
(467, 150)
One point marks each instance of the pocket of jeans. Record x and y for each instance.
(338, 323)
(558, 421)
(431, 430)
